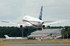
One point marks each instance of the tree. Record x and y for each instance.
(66, 32)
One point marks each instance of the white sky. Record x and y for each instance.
(15, 10)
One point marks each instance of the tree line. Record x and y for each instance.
(16, 32)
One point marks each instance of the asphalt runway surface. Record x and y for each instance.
(38, 44)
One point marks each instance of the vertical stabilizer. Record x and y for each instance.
(40, 17)
(6, 36)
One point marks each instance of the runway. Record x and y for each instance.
(38, 44)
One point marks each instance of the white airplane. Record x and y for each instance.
(7, 37)
(38, 21)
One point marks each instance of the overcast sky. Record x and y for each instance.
(15, 10)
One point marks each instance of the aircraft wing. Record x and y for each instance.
(16, 24)
(55, 22)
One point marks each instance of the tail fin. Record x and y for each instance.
(6, 36)
(40, 17)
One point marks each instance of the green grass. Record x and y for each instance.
(25, 41)
(35, 41)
